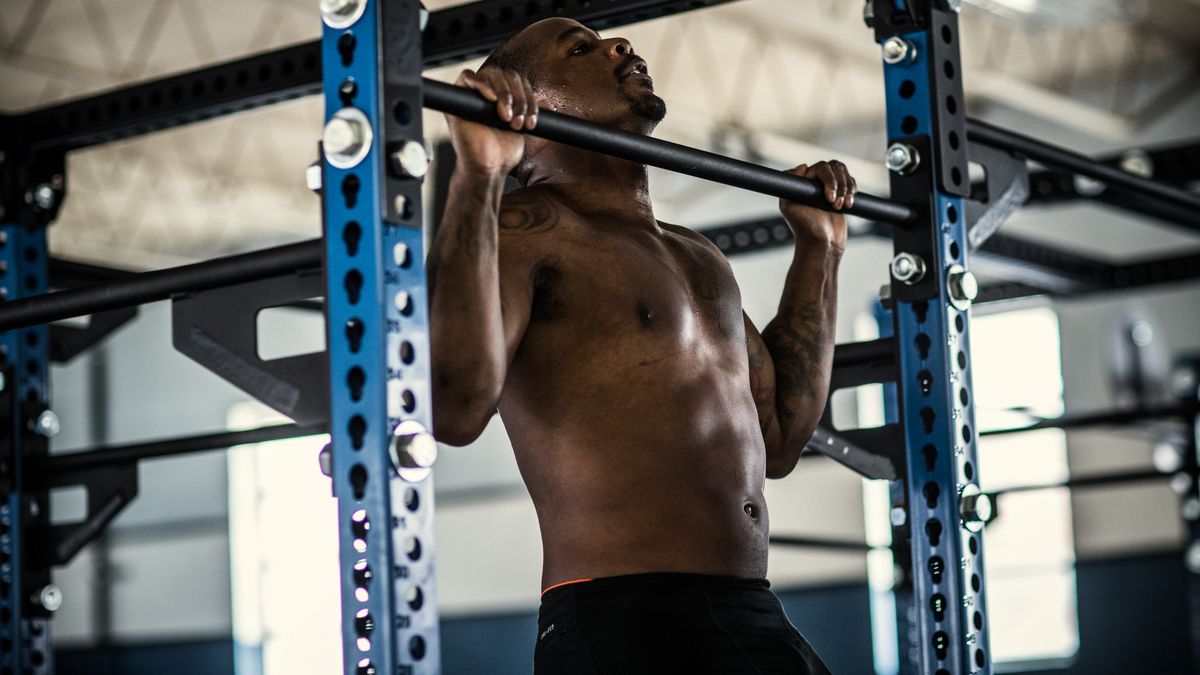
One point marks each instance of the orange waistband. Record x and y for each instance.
(564, 583)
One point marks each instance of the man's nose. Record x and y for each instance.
(618, 48)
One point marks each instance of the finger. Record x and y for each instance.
(827, 176)
(531, 104)
(853, 189)
(470, 79)
(504, 102)
(843, 178)
(519, 101)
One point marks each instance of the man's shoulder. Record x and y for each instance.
(692, 237)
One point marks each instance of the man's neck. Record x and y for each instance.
(595, 182)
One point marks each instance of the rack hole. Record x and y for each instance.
(345, 47)
(952, 214)
(357, 428)
(933, 530)
(354, 334)
(407, 353)
(416, 647)
(978, 620)
(973, 545)
(907, 89)
(414, 597)
(964, 397)
(953, 139)
(908, 125)
(412, 499)
(923, 342)
(921, 309)
(937, 604)
(966, 433)
(358, 480)
(353, 283)
(355, 380)
(941, 643)
(925, 382)
(365, 667)
(350, 187)
(980, 659)
(948, 69)
(412, 548)
(408, 401)
(930, 453)
(954, 250)
(362, 573)
(404, 303)
(931, 492)
(927, 419)
(402, 113)
(947, 35)
(951, 105)
(401, 255)
(352, 235)
(956, 176)
(960, 325)
(969, 471)
(976, 584)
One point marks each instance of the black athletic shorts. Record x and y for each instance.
(668, 623)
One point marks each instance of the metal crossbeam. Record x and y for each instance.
(452, 34)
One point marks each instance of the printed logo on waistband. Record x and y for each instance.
(546, 632)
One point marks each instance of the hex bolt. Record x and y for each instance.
(908, 268)
(44, 197)
(1191, 509)
(1191, 559)
(897, 50)
(1138, 163)
(974, 507)
(412, 451)
(902, 158)
(47, 424)
(325, 459)
(49, 597)
(312, 177)
(899, 516)
(411, 159)
(961, 286)
(342, 13)
(347, 138)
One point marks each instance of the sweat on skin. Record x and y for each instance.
(644, 407)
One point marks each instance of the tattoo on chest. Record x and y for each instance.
(528, 213)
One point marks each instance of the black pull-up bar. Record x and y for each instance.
(553, 126)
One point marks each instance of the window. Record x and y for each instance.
(1029, 549)
(284, 554)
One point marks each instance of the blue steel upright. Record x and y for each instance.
(376, 329)
(943, 618)
(25, 590)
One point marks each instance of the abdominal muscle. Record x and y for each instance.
(659, 470)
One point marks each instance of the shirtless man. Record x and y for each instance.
(644, 407)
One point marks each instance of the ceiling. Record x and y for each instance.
(781, 81)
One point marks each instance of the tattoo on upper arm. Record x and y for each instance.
(528, 213)
(796, 341)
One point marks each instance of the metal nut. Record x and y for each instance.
(1138, 163)
(342, 13)
(974, 507)
(313, 178)
(411, 159)
(347, 138)
(907, 268)
(897, 50)
(902, 158)
(962, 287)
(47, 424)
(44, 197)
(50, 598)
(412, 451)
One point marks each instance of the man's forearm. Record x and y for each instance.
(800, 340)
(466, 326)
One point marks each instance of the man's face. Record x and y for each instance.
(577, 72)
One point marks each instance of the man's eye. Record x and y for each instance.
(579, 49)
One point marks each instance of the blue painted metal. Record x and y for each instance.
(943, 629)
(24, 360)
(378, 354)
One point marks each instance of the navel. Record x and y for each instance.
(645, 315)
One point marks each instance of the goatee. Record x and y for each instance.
(649, 106)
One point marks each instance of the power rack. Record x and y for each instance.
(370, 388)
